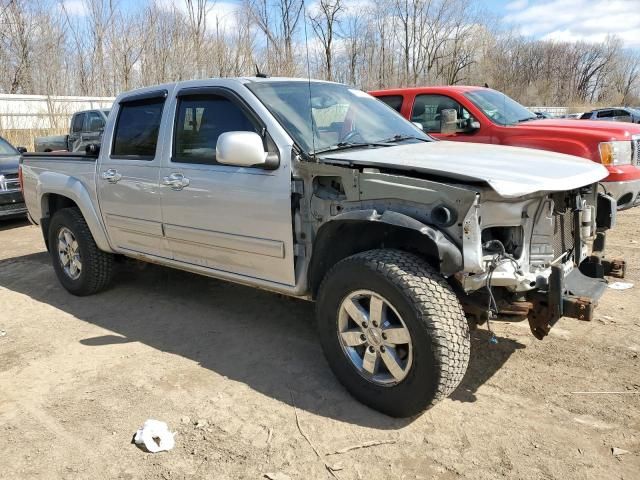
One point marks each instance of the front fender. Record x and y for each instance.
(53, 183)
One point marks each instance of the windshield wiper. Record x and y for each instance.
(526, 119)
(400, 138)
(347, 145)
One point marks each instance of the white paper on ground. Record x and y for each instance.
(155, 436)
(620, 285)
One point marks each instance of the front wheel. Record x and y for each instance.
(82, 268)
(393, 331)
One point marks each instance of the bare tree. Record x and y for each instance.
(103, 49)
(16, 36)
(324, 22)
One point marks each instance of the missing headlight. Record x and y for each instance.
(512, 238)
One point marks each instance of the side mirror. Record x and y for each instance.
(448, 121)
(243, 149)
(92, 149)
(21, 149)
(473, 125)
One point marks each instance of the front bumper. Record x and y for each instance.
(12, 204)
(572, 295)
(626, 192)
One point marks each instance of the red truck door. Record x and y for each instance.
(427, 108)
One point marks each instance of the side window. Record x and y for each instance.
(586, 116)
(200, 121)
(77, 123)
(605, 114)
(394, 101)
(623, 115)
(427, 110)
(95, 122)
(137, 127)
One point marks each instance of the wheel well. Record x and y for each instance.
(51, 203)
(340, 239)
(54, 202)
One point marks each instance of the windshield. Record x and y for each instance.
(499, 108)
(342, 116)
(6, 148)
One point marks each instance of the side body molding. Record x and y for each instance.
(67, 186)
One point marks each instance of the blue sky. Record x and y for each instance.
(566, 20)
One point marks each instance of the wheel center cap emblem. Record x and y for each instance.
(374, 336)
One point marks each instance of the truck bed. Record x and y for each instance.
(58, 167)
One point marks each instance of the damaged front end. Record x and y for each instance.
(538, 258)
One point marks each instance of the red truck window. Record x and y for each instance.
(428, 108)
(394, 101)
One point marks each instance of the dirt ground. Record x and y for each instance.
(239, 375)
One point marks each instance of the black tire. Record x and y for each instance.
(431, 312)
(97, 266)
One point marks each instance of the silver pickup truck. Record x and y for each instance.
(318, 191)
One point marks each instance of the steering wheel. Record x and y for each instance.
(350, 135)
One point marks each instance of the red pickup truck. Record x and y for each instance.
(483, 115)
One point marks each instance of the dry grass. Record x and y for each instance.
(25, 137)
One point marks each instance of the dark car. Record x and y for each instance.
(540, 114)
(11, 200)
(617, 114)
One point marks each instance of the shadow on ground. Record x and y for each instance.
(13, 222)
(486, 358)
(264, 340)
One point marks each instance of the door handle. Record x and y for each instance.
(111, 175)
(176, 181)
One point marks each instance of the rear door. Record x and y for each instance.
(128, 173)
(222, 217)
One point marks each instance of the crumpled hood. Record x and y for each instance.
(9, 163)
(510, 171)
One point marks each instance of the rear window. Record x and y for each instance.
(394, 101)
(137, 127)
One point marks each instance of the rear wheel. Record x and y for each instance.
(82, 268)
(393, 331)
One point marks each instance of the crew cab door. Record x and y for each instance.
(127, 176)
(427, 110)
(223, 217)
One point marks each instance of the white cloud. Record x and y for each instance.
(517, 4)
(574, 20)
(75, 8)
